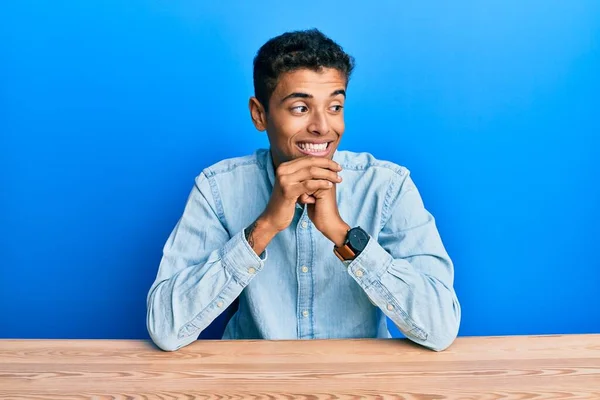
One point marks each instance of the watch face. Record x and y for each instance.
(358, 239)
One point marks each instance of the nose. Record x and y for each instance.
(319, 125)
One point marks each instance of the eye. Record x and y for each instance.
(337, 108)
(299, 109)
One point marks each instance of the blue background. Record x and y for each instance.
(109, 109)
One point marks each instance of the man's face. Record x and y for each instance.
(306, 115)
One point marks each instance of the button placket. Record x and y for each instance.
(304, 276)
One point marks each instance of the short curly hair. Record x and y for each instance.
(290, 51)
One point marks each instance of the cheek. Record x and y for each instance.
(284, 130)
(291, 127)
(338, 126)
(295, 124)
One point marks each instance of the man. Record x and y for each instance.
(315, 242)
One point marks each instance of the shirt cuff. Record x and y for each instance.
(370, 264)
(240, 259)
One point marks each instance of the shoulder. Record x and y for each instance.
(363, 161)
(248, 163)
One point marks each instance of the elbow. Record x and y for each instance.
(163, 339)
(162, 336)
(441, 343)
(160, 328)
(441, 340)
(446, 332)
(158, 337)
(437, 339)
(166, 343)
(441, 331)
(166, 337)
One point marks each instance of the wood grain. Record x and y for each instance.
(512, 367)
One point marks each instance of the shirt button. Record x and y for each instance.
(251, 270)
(390, 307)
(305, 269)
(304, 224)
(359, 273)
(220, 304)
(305, 313)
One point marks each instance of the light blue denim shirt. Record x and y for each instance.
(298, 288)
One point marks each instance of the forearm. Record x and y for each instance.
(422, 303)
(181, 306)
(259, 234)
(423, 307)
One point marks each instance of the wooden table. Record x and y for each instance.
(517, 367)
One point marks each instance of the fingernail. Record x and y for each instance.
(329, 183)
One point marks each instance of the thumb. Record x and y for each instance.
(306, 199)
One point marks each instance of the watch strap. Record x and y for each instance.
(344, 253)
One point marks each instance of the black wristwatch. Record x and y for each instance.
(356, 241)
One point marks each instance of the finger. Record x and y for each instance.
(307, 199)
(308, 187)
(322, 193)
(311, 186)
(303, 162)
(314, 173)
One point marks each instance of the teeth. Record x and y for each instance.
(313, 147)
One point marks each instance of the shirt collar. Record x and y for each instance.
(270, 168)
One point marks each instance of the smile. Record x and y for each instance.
(314, 149)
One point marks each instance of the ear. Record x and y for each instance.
(258, 114)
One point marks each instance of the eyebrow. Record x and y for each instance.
(300, 95)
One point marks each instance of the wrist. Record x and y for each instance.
(264, 225)
(339, 234)
(259, 235)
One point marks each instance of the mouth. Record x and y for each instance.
(314, 148)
